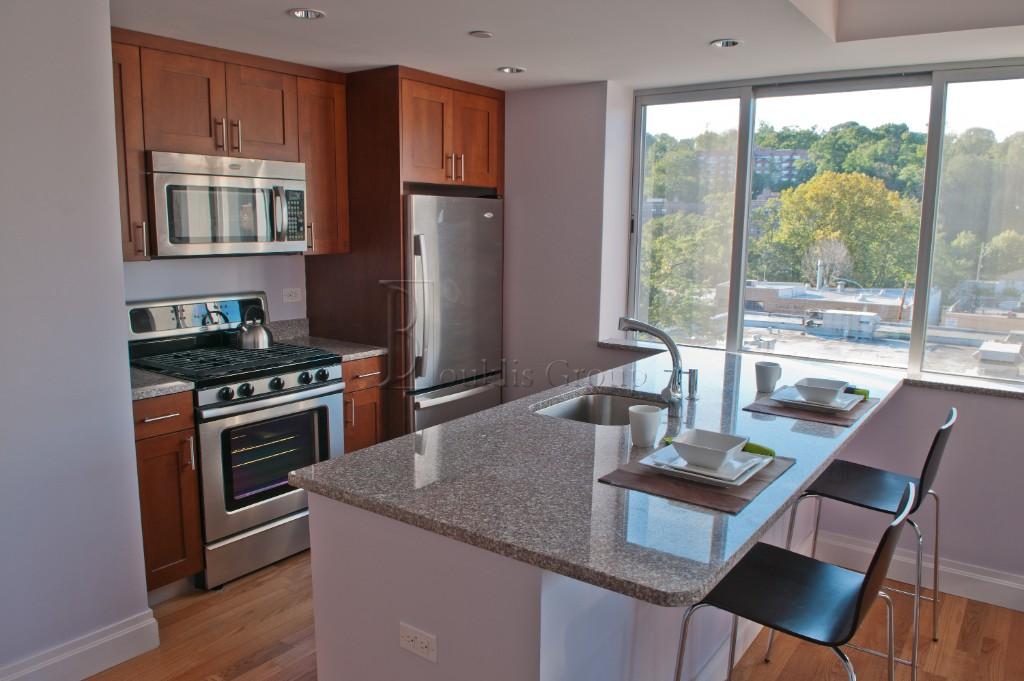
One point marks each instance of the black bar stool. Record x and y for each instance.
(816, 601)
(880, 490)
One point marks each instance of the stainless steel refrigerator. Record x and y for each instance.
(454, 306)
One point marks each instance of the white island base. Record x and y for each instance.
(494, 618)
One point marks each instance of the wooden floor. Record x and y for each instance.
(260, 628)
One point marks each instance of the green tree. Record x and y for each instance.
(1003, 254)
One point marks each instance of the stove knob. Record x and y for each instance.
(276, 383)
(245, 390)
(305, 378)
(226, 393)
(322, 375)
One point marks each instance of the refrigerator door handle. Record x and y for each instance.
(420, 251)
(455, 397)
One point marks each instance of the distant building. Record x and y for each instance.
(792, 298)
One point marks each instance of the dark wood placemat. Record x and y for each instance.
(729, 499)
(767, 405)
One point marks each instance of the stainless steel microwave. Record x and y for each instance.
(218, 205)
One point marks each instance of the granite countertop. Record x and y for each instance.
(526, 486)
(296, 332)
(147, 384)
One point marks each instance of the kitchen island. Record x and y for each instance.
(493, 534)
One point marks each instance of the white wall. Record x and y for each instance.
(72, 568)
(201, 276)
(560, 203)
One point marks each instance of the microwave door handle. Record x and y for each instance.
(280, 214)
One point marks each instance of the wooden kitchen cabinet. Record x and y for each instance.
(262, 114)
(323, 148)
(169, 501)
(476, 139)
(364, 418)
(450, 136)
(427, 117)
(184, 103)
(131, 161)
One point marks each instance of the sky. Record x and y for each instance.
(995, 105)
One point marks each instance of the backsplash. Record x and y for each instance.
(202, 276)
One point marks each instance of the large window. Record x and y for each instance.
(833, 222)
(789, 219)
(977, 325)
(687, 197)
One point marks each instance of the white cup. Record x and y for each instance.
(768, 374)
(644, 420)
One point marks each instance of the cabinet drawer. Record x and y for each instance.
(363, 373)
(164, 414)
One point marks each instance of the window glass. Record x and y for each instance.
(833, 224)
(687, 191)
(976, 321)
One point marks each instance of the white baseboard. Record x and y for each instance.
(87, 655)
(963, 579)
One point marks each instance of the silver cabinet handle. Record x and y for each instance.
(154, 419)
(372, 373)
(310, 243)
(451, 158)
(462, 167)
(237, 125)
(222, 126)
(192, 451)
(144, 250)
(353, 403)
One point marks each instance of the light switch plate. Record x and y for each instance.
(293, 295)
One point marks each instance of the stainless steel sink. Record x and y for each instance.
(598, 408)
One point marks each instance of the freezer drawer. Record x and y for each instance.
(447, 404)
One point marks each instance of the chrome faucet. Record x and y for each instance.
(673, 392)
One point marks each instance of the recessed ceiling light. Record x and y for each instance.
(511, 69)
(307, 13)
(481, 34)
(725, 42)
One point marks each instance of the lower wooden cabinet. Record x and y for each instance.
(364, 418)
(165, 454)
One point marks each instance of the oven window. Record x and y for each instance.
(257, 457)
(205, 215)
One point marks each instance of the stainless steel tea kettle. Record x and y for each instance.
(252, 335)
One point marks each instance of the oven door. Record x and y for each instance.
(248, 449)
(196, 215)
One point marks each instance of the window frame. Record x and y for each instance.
(935, 76)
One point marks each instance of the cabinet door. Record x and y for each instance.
(183, 103)
(427, 154)
(323, 148)
(364, 419)
(262, 118)
(476, 131)
(169, 498)
(131, 161)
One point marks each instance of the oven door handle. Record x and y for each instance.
(210, 413)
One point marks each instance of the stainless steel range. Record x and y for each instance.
(260, 414)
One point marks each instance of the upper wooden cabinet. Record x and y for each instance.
(477, 132)
(450, 136)
(427, 154)
(131, 163)
(323, 148)
(262, 114)
(184, 103)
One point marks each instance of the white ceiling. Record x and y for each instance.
(645, 43)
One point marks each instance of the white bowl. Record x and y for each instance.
(707, 448)
(820, 390)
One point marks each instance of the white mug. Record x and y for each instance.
(768, 374)
(644, 420)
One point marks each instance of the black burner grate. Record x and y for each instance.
(205, 364)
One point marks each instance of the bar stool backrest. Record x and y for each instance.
(931, 464)
(879, 566)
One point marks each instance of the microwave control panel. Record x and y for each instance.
(296, 201)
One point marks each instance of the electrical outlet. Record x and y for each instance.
(417, 642)
(293, 295)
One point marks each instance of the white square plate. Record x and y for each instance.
(747, 463)
(788, 395)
